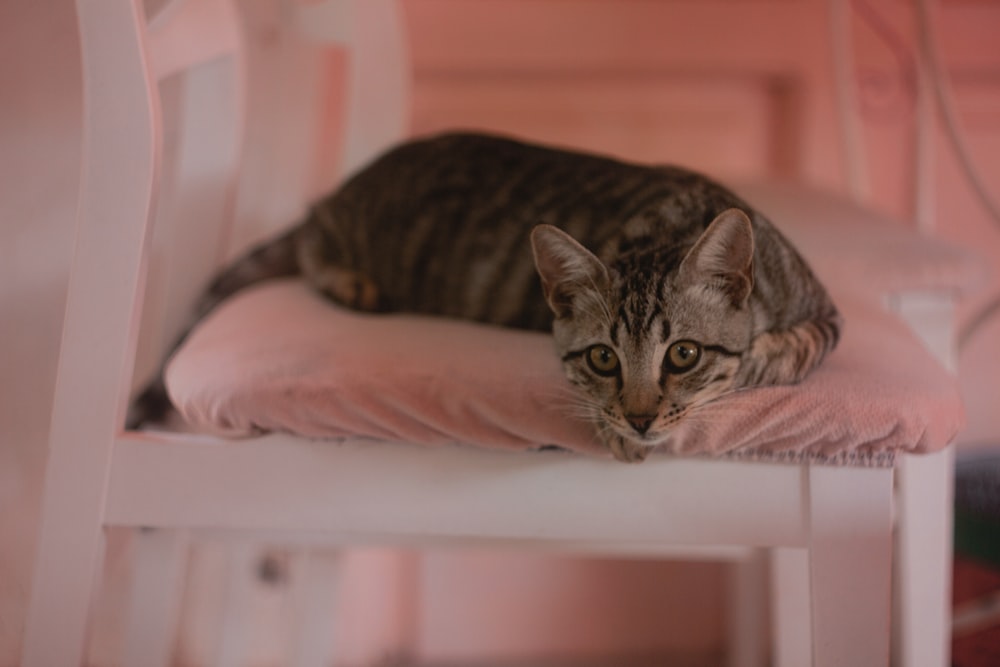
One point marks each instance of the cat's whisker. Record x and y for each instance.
(579, 406)
(600, 312)
(569, 396)
(605, 309)
(556, 393)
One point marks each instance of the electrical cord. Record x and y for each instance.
(938, 76)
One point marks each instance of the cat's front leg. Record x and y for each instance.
(625, 450)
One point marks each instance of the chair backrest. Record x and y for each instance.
(197, 61)
(146, 160)
(245, 156)
(123, 164)
(124, 58)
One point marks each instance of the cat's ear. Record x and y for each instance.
(723, 256)
(565, 267)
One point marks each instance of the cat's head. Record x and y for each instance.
(649, 338)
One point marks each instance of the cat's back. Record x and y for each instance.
(441, 189)
(494, 174)
(441, 225)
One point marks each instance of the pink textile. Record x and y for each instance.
(850, 246)
(280, 358)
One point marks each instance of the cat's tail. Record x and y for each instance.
(277, 258)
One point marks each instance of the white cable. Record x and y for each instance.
(924, 136)
(854, 158)
(942, 91)
(946, 105)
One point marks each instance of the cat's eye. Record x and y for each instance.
(682, 356)
(602, 360)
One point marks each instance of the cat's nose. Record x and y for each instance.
(640, 423)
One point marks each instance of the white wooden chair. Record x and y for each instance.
(831, 532)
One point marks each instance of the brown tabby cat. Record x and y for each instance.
(662, 289)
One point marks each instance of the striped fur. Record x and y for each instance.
(638, 265)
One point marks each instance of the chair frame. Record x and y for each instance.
(830, 532)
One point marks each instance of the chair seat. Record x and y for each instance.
(280, 358)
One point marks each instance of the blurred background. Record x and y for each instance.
(609, 75)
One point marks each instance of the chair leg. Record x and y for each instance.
(160, 557)
(923, 572)
(317, 578)
(70, 551)
(747, 611)
(244, 558)
(850, 565)
(790, 613)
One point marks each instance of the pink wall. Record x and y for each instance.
(744, 91)
(514, 606)
(39, 165)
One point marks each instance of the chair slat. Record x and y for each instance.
(189, 32)
(121, 142)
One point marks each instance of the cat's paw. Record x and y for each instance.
(627, 451)
(349, 288)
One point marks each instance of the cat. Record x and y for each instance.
(662, 289)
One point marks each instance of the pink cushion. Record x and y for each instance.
(852, 246)
(279, 358)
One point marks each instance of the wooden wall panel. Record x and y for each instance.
(718, 85)
(706, 125)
